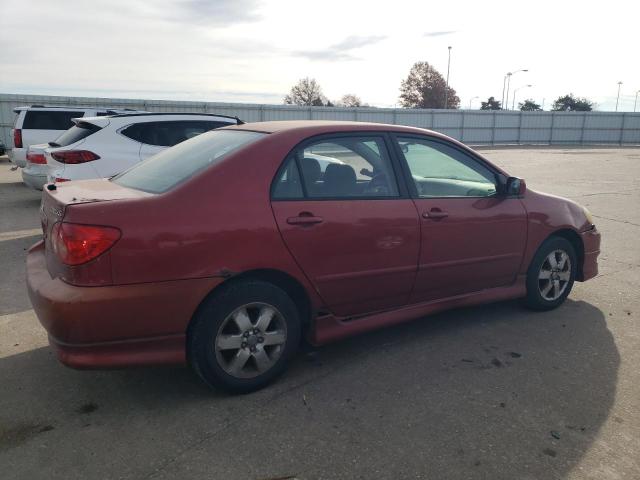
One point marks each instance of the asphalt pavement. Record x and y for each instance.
(492, 392)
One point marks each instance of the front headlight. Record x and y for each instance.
(587, 214)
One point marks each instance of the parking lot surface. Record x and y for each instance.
(495, 392)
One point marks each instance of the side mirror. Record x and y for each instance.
(515, 186)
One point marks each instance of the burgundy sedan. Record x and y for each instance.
(226, 250)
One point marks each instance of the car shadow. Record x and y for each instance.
(487, 392)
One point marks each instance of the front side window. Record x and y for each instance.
(439, 170)
(50, 119)
(175, 165)
(341, 167)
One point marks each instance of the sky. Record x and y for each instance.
(253, 51)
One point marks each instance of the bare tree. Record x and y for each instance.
(306, 92)
(350, 100)
(425, 87)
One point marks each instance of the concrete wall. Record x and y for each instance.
(475, 127)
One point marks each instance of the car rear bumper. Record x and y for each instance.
(18, 156)
(34, 180)
(591, 242)
(114, 326)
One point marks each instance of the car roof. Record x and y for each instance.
(134, 114)
(72, 108)
(318, 127)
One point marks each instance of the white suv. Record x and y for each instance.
(40, 124)
(101, 147)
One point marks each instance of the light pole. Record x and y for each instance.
(513, 105)
(471, 101)
(636, 101)
(504, 86)
(446, 91)
(618, 98)
(509, 74)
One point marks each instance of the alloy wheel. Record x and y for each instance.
(554, 275)
(250, 340)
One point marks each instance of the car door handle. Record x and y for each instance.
(435, 214)
(304, 219)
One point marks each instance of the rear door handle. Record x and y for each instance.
(435, 214)
(304, 220)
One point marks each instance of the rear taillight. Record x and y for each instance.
(76, 244)
(60, 180)
(75, 156)
(17, 138)
(36, 158)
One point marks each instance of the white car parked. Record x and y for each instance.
(40, 124)
(101, 147)
(34, 173)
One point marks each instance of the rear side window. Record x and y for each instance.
(172, 166)
(168, 134)
(341, 168)
(75, 134)
(49, 119)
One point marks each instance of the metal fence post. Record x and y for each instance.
(395, 116)
(310, 113)
(553, 121)
(520, 128)
(463, 123)
(262, 113)
(624, 117)
(493, 128)
(355, 114)
(584, 121)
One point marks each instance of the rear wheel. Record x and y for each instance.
(242, 337)
(551, 274)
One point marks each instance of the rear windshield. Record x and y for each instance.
(174, 165)
(75, 134)
(49, 119)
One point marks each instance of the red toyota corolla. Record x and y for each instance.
(225, 250)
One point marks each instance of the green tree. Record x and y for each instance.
(425, 87)
(529, 106)
(306, 92)
(572, 103)
(491, 104)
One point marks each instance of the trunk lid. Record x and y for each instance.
(58, 200)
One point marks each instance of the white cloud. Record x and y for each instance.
(248, 50)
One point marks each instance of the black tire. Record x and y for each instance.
(535, 299)
(213, 317)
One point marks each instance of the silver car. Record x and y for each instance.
(34, 173)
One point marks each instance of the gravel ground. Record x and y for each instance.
(495, 392)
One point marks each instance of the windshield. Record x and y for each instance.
(174, 165)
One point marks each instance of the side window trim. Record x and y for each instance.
(406, 171)
(388, 144)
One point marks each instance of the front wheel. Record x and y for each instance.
(551, 274)
(242, 338)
